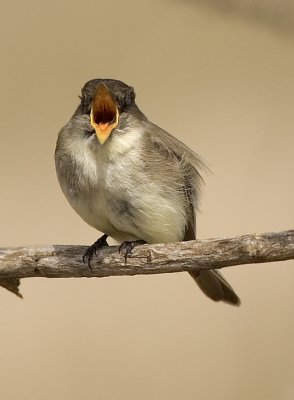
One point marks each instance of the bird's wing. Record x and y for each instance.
(191, 165)
(212, 283)
(167, 143)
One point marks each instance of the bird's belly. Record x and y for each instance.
(92, 212)
(124, 215)
(126, 206)
(147, 215)
(99, 211)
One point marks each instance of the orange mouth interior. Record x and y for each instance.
(104, 113)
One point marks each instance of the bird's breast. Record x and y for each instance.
(117, 193)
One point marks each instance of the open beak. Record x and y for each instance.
(104, 113)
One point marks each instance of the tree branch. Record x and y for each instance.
(66, 261)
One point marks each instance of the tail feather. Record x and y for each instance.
(214, 285)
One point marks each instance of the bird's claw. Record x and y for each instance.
(128, 246)
(91, 250)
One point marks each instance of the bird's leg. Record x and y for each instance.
(128, 246)
(91, 250)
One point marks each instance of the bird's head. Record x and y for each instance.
(106, 101)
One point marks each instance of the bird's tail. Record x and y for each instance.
(214, 285)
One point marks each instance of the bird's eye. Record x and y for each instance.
(85, 103)
(125, 98)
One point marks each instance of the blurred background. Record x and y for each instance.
(219, 76)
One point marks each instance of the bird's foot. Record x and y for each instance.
(128, 246)
(91, 250)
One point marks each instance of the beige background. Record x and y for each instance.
(222, 84)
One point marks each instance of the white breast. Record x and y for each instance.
(113, 175)
(101, 176)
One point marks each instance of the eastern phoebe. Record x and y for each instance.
(130, 179)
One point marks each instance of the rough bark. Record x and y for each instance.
(56, 261)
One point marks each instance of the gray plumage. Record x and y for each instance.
(141, 184)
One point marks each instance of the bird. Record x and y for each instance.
(130, 179)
